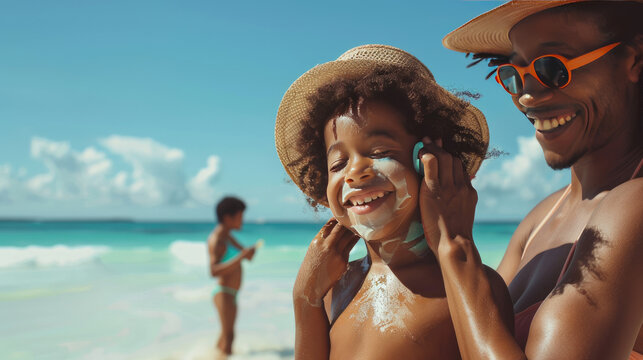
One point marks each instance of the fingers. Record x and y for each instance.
(441, 169)
(431, 164)
(327, 228)
(349, 244)
(458, 172)
(339, 237)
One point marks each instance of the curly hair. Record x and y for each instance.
(425, 110)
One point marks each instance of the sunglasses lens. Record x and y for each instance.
(551, 71)
(510, 79)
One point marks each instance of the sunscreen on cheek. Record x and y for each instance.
(370, 226)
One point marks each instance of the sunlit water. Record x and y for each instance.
(122, 290)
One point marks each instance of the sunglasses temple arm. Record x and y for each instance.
(583, 60)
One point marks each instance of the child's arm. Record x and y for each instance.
(312, 338)
(325, 262)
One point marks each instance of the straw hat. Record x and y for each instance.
(354, 64)
(489, 32)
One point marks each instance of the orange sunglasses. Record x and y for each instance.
(553, 71)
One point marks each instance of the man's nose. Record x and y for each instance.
(534, 93)
(360, 171)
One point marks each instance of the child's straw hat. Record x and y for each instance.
(353, 64)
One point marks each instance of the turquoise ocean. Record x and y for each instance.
(141, 290)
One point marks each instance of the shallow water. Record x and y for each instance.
(129, 290)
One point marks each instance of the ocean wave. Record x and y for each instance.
(43, 256)
(193, 253)
(191, 295)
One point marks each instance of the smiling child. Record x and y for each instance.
(346, 133)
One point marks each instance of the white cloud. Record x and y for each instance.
(71, 174)
(200, 186)
(155, 175)
(519, 184)
(157, 171)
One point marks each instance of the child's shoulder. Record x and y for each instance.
(341, 295)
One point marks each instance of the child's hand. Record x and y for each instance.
(248, 253)
(325, 262)
(447, 199)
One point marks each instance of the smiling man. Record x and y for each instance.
(573, 266)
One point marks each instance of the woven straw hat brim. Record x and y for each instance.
(295, 107)
(489, 32)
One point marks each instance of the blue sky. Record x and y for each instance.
(155, 109)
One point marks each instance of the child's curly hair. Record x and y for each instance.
(426, 111)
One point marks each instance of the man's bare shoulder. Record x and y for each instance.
(628, 193)
(620, 213)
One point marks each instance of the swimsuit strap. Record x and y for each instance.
(545, 219)
(573, 249)
(567, 262)
(638, 168)
(555, 207)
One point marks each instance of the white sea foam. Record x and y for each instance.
(42, 256)
(193, 253)
(191, 295)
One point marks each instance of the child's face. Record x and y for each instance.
(234, 221)
(372, 184)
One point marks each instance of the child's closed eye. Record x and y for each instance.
(337, 165)
(378, 154)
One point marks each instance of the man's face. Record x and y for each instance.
(593, 105)
(372, 184)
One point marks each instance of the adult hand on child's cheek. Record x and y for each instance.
(325, 262)
(447, 199)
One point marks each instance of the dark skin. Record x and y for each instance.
(392, 303)
(229, 274)
(595, 312)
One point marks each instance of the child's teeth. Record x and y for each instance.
(554, 123)
(546, 124)
(367, 199)
(568, 118)
(562, 121)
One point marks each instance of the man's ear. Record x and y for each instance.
(635, 60)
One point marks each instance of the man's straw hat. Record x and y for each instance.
(354, 64)
(489, 32)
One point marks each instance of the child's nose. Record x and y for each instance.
(360, 172)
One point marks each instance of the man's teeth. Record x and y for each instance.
(552, 123)
(367, 199)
